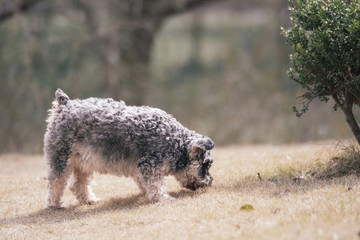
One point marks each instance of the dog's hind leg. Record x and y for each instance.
(57, 179)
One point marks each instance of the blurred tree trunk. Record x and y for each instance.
(125, 49)
(135, 61)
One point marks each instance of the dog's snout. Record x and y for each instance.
(207, 181)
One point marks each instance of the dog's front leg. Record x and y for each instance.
(152, 179)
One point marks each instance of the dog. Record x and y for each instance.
(109, 137)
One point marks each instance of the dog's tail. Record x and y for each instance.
(61, 97)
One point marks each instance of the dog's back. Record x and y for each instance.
(114, 131)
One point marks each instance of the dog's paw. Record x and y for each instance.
(166, 198)
(90, 201)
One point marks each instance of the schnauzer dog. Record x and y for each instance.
(107, 136)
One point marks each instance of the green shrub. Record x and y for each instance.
(325, 38)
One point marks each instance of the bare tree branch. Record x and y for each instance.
(338, 101)
(10, 7)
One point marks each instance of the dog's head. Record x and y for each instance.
(197, 173)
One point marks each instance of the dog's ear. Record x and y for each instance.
(201, 145)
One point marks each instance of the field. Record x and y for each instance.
(283, 201)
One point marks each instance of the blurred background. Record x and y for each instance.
(219, 66)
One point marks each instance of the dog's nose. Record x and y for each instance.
(208, 180)
(211, 179)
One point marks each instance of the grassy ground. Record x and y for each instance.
(286, 205)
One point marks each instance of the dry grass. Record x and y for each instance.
(286, 206)
(345, 163)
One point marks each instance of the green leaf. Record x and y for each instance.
(247, 207)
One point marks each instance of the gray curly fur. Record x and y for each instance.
(107, 136)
